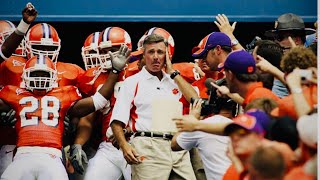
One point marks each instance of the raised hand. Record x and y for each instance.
(195, 108)
(120, 60)
(29, 13)
(221, 90)
(263, 65)
(169, 68)
(224, 25)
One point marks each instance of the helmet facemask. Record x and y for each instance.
(33, 81)
(90, 51)
(5, 34)
(51, 51)
(90, 57)
(105, 59)
(43, 39)
(6, 28)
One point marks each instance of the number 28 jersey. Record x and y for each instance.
(40, 118)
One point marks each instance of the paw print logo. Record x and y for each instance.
(175, 91)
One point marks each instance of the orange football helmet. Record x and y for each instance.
(112, 37)
(6, 28)
(32, 79)
(42, 38)
(156, 30)
(90, 51)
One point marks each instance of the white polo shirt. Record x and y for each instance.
(212, 148)
(136, 95)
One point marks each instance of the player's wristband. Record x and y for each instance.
(22, 28)
(99, 101)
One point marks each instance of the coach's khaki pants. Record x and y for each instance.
(159, 160)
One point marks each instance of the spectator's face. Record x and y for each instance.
(229, 77)
(154, 56)
(203, 66)
(211, 59)
(285, 44)
(244, 142)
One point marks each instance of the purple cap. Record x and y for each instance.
(240, 62)
(246, 121)
(211, 41)
(261, 116)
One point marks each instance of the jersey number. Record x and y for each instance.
(49, 105)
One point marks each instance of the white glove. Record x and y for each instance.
(78, 158)
(120, 60)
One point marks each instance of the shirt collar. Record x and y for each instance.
(147, 75)
(253, 86)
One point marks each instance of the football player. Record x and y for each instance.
(110, 40)
(10, 38)
(41, 108)
(43, 38)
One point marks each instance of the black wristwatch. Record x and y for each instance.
(174, 74)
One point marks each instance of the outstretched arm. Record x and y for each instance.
(224, 26)
(188, 123)
(186, 88)
(29, 14)
(99, 100)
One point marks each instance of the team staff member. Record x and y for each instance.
(132, 103)
(212, 148)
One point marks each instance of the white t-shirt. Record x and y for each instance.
(212, 148)
(136, 95)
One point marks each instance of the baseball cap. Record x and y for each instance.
(289, 22)
(263, 117)
(308, 129)
(246, 121)
(210, 41)
(239, 62)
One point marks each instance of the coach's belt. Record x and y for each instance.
(154, 134)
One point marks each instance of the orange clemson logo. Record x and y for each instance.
(175, 91)
(250, 69)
